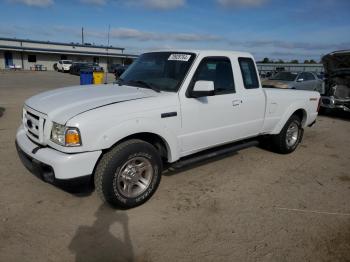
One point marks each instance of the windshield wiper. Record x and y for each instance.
(145, 84)
(120, 81)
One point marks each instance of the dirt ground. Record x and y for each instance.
(254, 205)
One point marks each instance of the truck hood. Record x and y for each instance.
(336, 61)
(337, 69)
(62, 104)
(276, 83)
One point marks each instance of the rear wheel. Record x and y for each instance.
(129, 174)
(289, 137)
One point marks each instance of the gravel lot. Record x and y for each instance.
(254, 205)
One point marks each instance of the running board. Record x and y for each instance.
(211, 153)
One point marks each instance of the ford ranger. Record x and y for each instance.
(167, 105)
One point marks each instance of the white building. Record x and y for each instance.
(274, 67)
(25, 54)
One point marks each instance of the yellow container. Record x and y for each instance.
(98, 78)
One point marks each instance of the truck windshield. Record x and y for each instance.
(285, 76)
(164, 71)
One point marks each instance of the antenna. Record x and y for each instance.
(82, 35)
(106, 74)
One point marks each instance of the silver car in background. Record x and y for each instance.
(291, 80)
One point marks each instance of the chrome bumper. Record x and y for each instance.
(335, 103)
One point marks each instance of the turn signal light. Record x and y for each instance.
(72, 137)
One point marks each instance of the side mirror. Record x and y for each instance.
(202, 88)
(300, 80)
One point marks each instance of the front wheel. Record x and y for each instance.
(289, 137)
(129, 174)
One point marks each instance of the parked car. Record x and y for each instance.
(64, 65)
(290, 80)
(337, 81)
(112, 67)
(96, 67)
(168, 105)
(120, 70)
(75, 68)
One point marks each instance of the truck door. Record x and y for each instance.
(214, 120)
(252, 108)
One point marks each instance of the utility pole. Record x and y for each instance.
(106, 74)
(82, 35)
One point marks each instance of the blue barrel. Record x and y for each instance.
(86, 77)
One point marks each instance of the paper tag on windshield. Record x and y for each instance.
(179, 57)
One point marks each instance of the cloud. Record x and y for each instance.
(295, 45)
(38, 3)
(131, 33)
(94, 2)
(241, 3)
(155, 4)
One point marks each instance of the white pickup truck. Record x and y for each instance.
(166, 106)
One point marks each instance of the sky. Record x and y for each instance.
(298, 29)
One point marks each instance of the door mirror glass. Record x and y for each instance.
(203, 88)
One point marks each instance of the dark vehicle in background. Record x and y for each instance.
(291, 80)
(112, 68)
(337, 81)
(120, 70)
(77, 67)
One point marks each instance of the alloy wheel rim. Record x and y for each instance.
(134, 177)
(292, 134)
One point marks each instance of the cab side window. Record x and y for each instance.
(217, 70)
(249, 75)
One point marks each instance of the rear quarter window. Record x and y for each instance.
(249, 75)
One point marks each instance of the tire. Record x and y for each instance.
(289, 137)
(120, 177)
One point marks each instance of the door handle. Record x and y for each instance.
(236, 102)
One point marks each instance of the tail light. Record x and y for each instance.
(319, 105)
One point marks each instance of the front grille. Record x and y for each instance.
(33, 123)
(32, 115)
(36, 136)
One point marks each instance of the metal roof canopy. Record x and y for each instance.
(59, 43)
(58, 51)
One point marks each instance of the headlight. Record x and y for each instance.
(65, 136)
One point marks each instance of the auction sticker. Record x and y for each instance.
(179, 57)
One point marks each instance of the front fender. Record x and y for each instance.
(139, 125)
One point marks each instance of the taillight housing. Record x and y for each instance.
(319, 105)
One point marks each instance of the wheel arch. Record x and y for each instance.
(154, 139)
(298, 111)
(301, 113)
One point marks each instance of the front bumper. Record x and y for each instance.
(334, 103)
(53, 164)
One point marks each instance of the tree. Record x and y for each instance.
(266, 60)
(280, 61)
(306, 62)
(294, 61)
(312, 61)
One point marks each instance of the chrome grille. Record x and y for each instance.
(33, 123)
